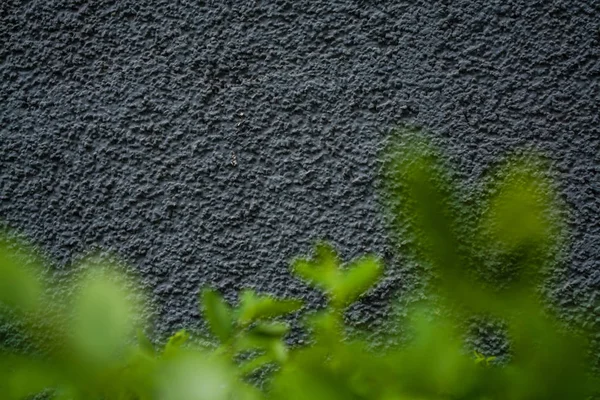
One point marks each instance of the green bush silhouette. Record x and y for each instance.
(90, 344)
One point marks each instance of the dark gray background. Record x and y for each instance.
(120, 120)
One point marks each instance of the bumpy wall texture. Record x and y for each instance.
(211, 141)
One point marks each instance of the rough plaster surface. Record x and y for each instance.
(210, 142)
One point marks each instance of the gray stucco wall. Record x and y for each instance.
(120, 122)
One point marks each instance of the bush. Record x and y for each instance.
(91, 345)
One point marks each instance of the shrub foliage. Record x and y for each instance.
(85, 339)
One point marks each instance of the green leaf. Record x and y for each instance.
(271, 329)
(520, 213)
(326, 326)
(255, 307)
(279, 351)
(479, 358)
(104, 316)
(195, 375)
(21, 377)
(422, 199)
(20, 285)
(218, 314)
(342, 285)
(175, 342)
(361, 275)
(326, 256)
(322, 271)
(266, 336)
(66, 393)
(145, 343)
(255, 363)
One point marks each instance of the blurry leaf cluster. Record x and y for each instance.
(88, 341)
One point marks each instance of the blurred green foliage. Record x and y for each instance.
(88, 342)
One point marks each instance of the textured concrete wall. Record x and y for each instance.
(209, 141)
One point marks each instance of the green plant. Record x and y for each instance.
(90, 345)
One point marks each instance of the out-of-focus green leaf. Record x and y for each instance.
(175, 342)
(431, 361)
(254, 340)
(20, 285)
(66, 393)
(271, 329)
(196, 376)
(145, 343)
(322, 271)
(342, 285)
(519, 216)
(438, 365)
(21, 377)
(266, 337)
(218, 314)
(104, 316)
(482, 359)
(324, 372)
(420, 195)
(254, 307)
(326, 327)
(359, 277)
(250, 366)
